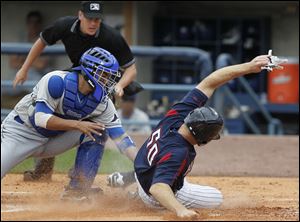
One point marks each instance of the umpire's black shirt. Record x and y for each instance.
(67, 29)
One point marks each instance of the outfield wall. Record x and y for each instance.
(246, 155)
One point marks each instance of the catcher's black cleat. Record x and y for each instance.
(32, 176)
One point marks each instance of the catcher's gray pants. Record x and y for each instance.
(18, 142)
(190, 195)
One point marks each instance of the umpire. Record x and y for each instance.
(79, 34)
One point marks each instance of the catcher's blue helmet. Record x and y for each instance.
(205, 124)
(101, 70)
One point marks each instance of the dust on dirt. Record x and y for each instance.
(245, 198)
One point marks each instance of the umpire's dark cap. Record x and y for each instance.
(92, 9)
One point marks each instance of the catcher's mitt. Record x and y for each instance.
(133, 88)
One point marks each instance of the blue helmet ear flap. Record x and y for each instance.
(86, 77)
(98, 91)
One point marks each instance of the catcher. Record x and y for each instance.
(67, 109)
(78, 34)
(167, 156)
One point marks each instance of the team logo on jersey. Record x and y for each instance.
(115, 118)
(94, 7)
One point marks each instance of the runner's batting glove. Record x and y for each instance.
(274, 62)
(115, 180)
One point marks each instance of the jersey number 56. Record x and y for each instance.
(152, 146)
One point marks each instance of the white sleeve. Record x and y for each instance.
(41, 119)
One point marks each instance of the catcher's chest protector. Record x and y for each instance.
(74, 108)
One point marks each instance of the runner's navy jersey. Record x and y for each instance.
(166, 157)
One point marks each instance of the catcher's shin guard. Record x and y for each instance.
(88, 159)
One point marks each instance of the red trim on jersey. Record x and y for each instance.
(164, 158)
(172, 112)
(181, 167)
(179, 171)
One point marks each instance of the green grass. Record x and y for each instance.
(112, 160)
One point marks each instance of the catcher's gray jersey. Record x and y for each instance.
(104, 113)
(20, 140)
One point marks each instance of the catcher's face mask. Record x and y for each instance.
(106, 78)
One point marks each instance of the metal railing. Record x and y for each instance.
(274, 125)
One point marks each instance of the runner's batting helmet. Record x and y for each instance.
(100, 69)
(205, 124)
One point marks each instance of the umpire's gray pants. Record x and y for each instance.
(18, 142)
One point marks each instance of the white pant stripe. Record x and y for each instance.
(192, 203)
(212, 195)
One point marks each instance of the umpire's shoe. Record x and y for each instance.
(80, 195)
(43, 170)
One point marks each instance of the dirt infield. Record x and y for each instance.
(265, 186)
(246, 155)
(245, 198)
